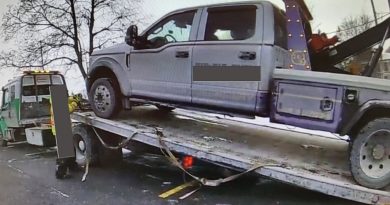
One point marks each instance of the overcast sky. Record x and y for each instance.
(327, 13)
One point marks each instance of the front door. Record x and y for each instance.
(10, 107)
(160, 67)
(226, 59)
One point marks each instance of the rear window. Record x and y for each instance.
(280, 28)
(40, 84)
(230, 23)
(57, 80)
(28, 90)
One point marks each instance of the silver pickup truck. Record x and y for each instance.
(233, 59)
(206, 57)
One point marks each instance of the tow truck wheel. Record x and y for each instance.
(85, 145)
(104, 98)
(370, 154)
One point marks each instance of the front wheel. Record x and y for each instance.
(370, 154)
(104, 97)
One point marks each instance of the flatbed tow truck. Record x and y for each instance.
(315, 163)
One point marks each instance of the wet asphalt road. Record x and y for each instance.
(139, 179)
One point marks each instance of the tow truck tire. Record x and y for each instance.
(85, 144)
(370, 154)
(104, 97)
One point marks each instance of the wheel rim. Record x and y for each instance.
(102, 98)
(80, 148)
(81, 145)
(375, 154)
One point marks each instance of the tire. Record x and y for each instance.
(86, 145)
(165, 108)
(104, 97)
(370, 154)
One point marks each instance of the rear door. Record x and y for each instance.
(226, 58)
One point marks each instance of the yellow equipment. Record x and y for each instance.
(73, 104)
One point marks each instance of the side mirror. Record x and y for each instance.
(132, 35)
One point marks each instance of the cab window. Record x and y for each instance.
(230, 23)
(175, 28)
(280, 28)
(56, 80)
(12, 93)
(28, 90)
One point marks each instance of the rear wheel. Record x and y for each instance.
(85, 145)
(370, 154)
(104, 97)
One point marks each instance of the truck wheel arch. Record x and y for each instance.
(367, 112)
(107, 68)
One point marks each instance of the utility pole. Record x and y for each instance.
(374, 10)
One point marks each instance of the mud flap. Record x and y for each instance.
(63, 126)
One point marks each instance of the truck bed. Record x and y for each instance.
(305, 160)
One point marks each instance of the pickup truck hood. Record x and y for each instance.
(333, 78)
(116, 49)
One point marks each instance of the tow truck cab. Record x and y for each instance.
(26, 103)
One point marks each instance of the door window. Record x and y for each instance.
(231, 23)
(176, 28)
(5, 98)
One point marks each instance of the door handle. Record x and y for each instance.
(244, 55)
(182, 54)
(326, 104)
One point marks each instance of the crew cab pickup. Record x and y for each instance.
(234, 59)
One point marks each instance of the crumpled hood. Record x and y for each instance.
(116, 49)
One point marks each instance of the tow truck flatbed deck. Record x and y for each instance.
(311, 162)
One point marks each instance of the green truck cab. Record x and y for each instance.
(25, 108)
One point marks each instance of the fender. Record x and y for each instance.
(372, 104)
(116, 68)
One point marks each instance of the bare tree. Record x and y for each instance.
(63, 31)
(352, 26)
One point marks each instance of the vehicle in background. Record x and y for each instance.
(25, 109)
